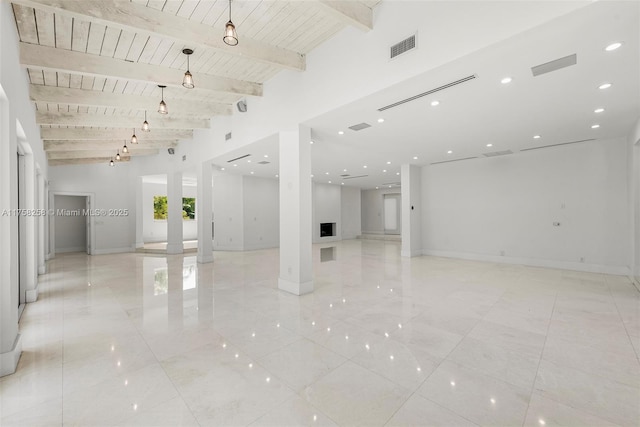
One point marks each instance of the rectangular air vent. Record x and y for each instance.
(345, 175)
(557, 145)
(429, 92)
(456, 160)
(354, 177)
(264, 162)
(360, 126)
(498, 153)
(227, 136)
(387, 184)
(548, 67)
(238, 158)
(402, 47)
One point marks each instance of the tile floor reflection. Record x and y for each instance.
(148, 340)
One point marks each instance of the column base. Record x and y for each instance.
(9, 360)
(410, 254)
(295, 287)
(42, 269)
(32, 295)
(175, 248)
(205, 259)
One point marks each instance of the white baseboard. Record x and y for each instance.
(110, 251)
(533, 262)
(294, 287)
(411, 254)
(9, 360)
(32, 295)
(42, 269)
(74, 249)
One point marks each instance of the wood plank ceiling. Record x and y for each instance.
(95, 65)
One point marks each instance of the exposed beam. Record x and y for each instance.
(114, 134)
(65, 95)
(49, 58)
(87, 154)
(140, 19)
(351, 13)
(102, 120)
(105, 160)
(60, 145)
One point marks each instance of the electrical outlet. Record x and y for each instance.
(556, 224)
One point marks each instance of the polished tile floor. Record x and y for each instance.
(141, 340)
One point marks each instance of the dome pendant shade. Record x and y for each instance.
(111, 163)
(230, 35)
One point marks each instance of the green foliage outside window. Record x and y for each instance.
(160, 208)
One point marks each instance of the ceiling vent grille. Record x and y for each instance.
(345, 175)
(455, 160)
(227, 136)
(402, 47)
(558, 64)
(263, 162)
(498, 153)
(354, 177)
(389, 184)
(557, 145)
(429, 92)
(238, 158)
(360, 126)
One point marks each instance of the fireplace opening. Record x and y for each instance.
(327, 229)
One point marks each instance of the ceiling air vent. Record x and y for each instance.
(548, 67)
(227, 136)
(345, 175)
(498, 153)
(402, 47)
(238, 158)
(264, 162)
(456, 160)
(429, 92)
(360, 126)
(359, 176)
(557, 145)
(388, 184)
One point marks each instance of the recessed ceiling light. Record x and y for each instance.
(310, 142)
(311, 175)
(377, 188)
(344, 170)
(277, 176)
(329, 182)
(536, 136)
(613, 46)
(415, 157)
(595, 126)
(266, 156)
(449, 152)
(598, 110)
(397, 173)
(605, 86)
(251, 172)
(326, 173)
(435, 103)
(380, 120)
(221, 169)
(505, 80)
(235, 164)
(389, 186)
(365, 166)
(489, 145)
(342, 183)
(384, 170)
(388, 163)
(248, 161)
(340, 133)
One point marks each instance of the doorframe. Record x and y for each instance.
(52, 219)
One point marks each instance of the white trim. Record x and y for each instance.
(72, 249)
(9, 360)
(533, 262)
(294, 287)
(411, 254)
(111, 251)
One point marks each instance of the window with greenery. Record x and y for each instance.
(160, 208)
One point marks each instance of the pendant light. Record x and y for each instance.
(187, 81)
(125, 149)
(162, 109)
(145, 125)
(134, 138)
(230, 35)
(111, 162)
(118, 155)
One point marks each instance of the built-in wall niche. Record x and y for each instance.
(327, 229)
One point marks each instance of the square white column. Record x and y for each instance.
(174, 213)
(42, 230)
(411, 177)
(204, 212)
(296, 270)
(139, 212)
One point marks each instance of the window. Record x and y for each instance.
(160, 208)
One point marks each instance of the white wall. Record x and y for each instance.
(156, 230)
(372, 209)
(633, 156)
(261, 206)
(228, 218)
(326, 200)
(507, 205)
(350, 202)
(70, 230)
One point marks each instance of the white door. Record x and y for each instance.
(391, 213)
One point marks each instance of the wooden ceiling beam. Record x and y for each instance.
(351, 13)
(68, 146)
(87, 154)
(37, 57)
(94, 98)
(113, 134)
(140, 19)
(103, 120)
(105, 160)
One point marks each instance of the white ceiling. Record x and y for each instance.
(558, 106)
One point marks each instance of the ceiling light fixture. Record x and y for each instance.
(506, 80)
(118, 155)
(310, 142)
(415, 157)
(230, 35)
(598, 110)
(536, 136)
(435, 103)
(125, 149)
(134, 138)
(145, 124)
(111, 163)
(595, 126)
(162, 109)
(187, 81)
(489, 145)
(449, 152)
(613, 46)
(340, 133)
(605, 86)
(380, 120)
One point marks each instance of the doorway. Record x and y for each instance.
(72, 224)
(391, 213)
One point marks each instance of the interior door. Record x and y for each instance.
(392, 222)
